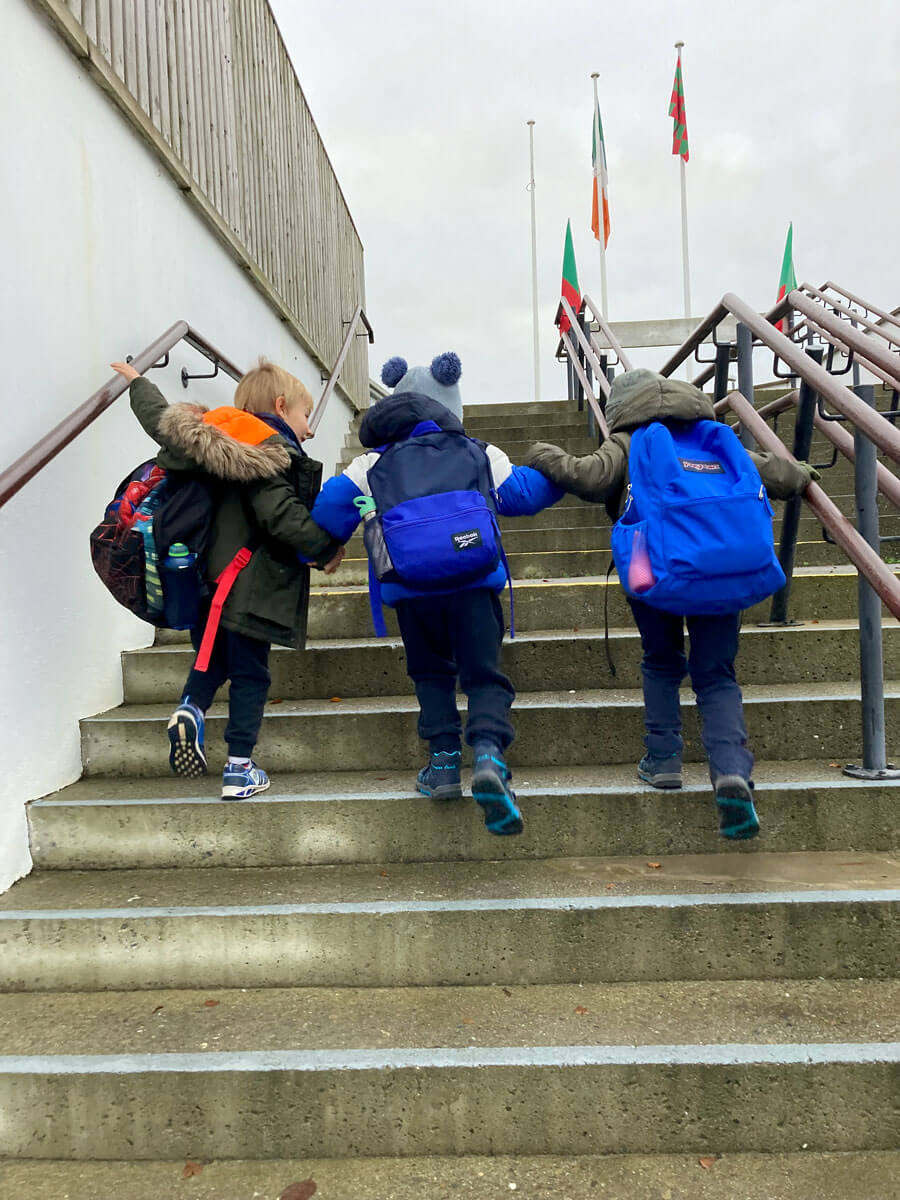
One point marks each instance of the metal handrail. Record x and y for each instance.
(888, 483)
(33, 460)
(854, 545)
(879, 360)
(882, 433)
(604, 328)
(36, 458)
(887, 318)
(595, 364)
(839, 309)
(322, 404)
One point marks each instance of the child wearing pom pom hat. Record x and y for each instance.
(430, 496)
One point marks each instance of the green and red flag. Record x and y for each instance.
(570, 289)
(601, 181)
(678, 113)
(788, 281)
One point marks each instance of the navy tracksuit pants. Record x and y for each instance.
(714, 647)
(244, 662)
(457, 636)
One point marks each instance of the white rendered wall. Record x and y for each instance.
(101, 254)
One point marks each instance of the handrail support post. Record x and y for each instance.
(871, 658)
(790, 524)
(745, 376)
(723, 362)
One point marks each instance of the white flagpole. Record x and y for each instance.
(686, 267)
(534, 278)
(604, 303)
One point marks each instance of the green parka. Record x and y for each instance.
(268, 490)
(636, 398)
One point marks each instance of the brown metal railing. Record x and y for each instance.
(857, 549)
(331, 382)
(32, 461)
(841, 398)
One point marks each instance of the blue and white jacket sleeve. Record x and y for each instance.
(334, 509)
(521, 491)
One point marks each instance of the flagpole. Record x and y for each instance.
(686, 267)
(534, 278)
(604, 303)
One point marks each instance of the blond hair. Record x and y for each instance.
(260, 387)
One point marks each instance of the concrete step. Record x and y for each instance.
(553, 921)
(540, 661)
(818, 593)
(801, 1175)
(557, 1070)
(363, 818)
(805, 721)
(516, 443)
(567, 563)
(529, 536)
(548, 410)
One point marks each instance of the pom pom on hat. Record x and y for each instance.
(394, 370)
(446, 368)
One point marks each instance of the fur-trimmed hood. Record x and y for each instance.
(226, 442)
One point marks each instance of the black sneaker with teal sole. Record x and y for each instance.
(440, 779)
(186, 753)
(737, 815)
(490, 788)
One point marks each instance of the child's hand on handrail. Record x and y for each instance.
(126, 370)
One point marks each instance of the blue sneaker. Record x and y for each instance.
(661, 772)
(440, 779)
(186, 756)
(239, 783)
(737, 816)
(490, 789)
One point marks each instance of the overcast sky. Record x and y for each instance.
(792, 115)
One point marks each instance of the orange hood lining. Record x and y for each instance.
(241, 426)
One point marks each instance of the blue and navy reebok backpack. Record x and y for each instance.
(436, 512)
(698, 511)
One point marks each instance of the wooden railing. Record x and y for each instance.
(210, 86)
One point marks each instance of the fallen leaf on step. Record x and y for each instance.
(156, 1010)
(334, 700)
(191, 1168)
(383, 874)
(834, 764)
(210, 1003)
(467, 1021)
(707, 1163)
(506, 991)
(655, 866)
(299, 1191)
(611, 885)
(574, 628)
(580, 1009)
(276, 702)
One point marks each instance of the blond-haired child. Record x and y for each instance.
(267, 485)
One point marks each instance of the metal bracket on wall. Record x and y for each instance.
(186, 376)
(163, 362)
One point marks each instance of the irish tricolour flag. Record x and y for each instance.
(601, 181)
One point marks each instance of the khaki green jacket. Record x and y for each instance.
(267, 490)
(636, 398)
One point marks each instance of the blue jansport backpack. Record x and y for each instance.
(433, 526)
(698, 510)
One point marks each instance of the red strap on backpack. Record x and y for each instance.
(224, 584)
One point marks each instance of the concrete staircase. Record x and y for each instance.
(344, 981)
